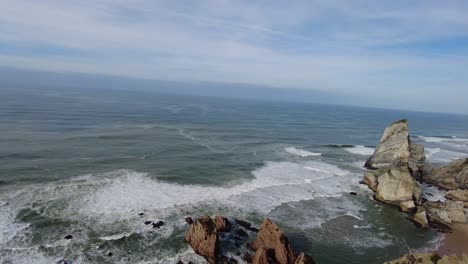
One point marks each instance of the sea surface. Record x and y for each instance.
(87, 163)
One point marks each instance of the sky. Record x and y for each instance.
(393, 54)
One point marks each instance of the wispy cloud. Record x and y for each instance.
(346, 46)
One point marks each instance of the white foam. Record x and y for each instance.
(275, 183)
(301, 152)
(360, 150)
(443, 139)
(432, 193)
(443, 156)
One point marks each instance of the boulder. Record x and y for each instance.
(271, 238)
(420, 258)
(222, 224)
(420, 217)
(304, 259)
(394, 146)
(455, 211)
(438, 217)
(458, 195)
(260, 257)
(203, 238)
(396, 186)
(371, 180)
(451, 176)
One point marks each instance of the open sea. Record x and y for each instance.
(86, 163)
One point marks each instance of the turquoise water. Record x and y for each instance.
(88, 162)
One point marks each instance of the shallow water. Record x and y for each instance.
(87, 163)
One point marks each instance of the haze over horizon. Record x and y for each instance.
(390, 55)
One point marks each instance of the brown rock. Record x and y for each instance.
(304, 259)
(261, 256)
(203, 238)
(222, 224)
(451, 176)
(270, 237)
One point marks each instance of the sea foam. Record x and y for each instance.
(360, 150)
(301, 152)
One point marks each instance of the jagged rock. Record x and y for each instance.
(203, 238)
(458, 195)
(453, 259)
(68, 237)
(451, 176)
(157, 224)
(304, 259)
(260, 257)
(247, 257)
(394, 146)
(270, 237)
(396, 186)
(222, 224)
(420, 258)
(420, 217)
(226, 260)
(246, 225)
(416, 162)
(371, 180)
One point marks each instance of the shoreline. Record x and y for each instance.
(455, 242)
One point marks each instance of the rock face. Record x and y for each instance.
(395, 185)
(203, 238)
(261, 256)
(442, 215)
(271, 238)
(458, 195)
(420, 217)
(222, 224)
(451, 176)
(394, 146)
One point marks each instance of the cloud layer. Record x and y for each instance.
(391, 48)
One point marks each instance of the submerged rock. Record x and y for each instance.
(203, 238)
(451, 176)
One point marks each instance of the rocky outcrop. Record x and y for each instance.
(458, 195)
(203, 238)
(395, 185)
(451, 176)
(420, 217)
(429, 258)
(394, 146)
(271, 238)
(260, 257)
(222, 224)
(420, 258)
(442, 215)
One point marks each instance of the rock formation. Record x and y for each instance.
(222, 224)
(458, 195)
(203, 238)
(261, 256)
(451, 176)
(395, 185)
(442, 215)
(304, 259)
(275, 243)
(429, 258)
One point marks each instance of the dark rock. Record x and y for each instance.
(148, 222)
(110, 254)
(180, 262)
(189, 220)
(353, 193)
(141, 214)
(241, 233)
(68, 237)
(158, 224)
(247, 257)
(304, 259)
(246, 225)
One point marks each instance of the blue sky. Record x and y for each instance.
(381, 53)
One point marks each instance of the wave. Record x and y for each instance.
(432, 193)
(439, 155)
(301, 152)
(360, 150)
(443, 139)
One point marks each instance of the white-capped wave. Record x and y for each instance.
(443, 156)
(360, 150)
(301, 152)
(443, 139)
(275, 183)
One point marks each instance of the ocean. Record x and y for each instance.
(87, 163)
